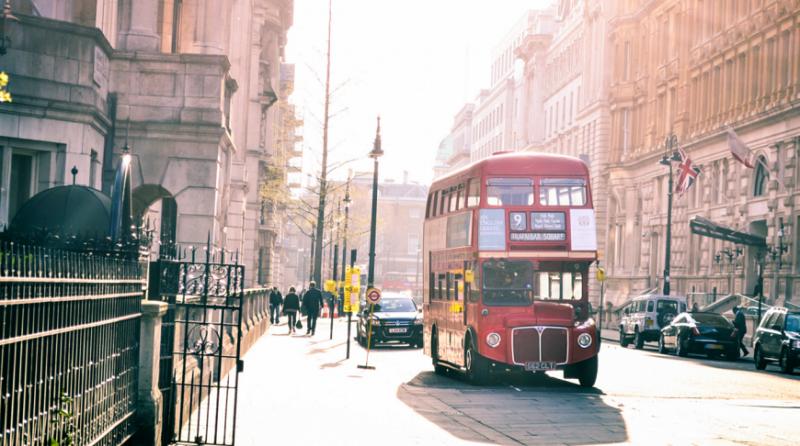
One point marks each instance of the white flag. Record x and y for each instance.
(739, 149)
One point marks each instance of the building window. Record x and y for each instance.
(760, 179)
(24, 170)
(413, 244)
(20, 187)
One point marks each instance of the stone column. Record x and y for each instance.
(149, 403)
(139, 25)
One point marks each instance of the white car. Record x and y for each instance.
(645, 316)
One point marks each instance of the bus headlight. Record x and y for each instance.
(584, 340)
(493, 339)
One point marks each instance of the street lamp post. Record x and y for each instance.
(346, 202)
(374, 154)
(776, 252)
(670, 144)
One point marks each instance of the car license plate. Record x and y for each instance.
(538, 366)
(397, 330)
(715, 347)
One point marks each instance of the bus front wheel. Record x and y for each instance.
(587, 372)
(477, 368)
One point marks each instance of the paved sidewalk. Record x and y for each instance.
(299, 390)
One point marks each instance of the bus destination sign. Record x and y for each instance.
(548, 221)
(538, 236)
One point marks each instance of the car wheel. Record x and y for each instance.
(475, 365)
(682, 349)
(638, 340)
(661, 347)
(758, 358)
(785, 362)
(587, 372)
(623, 340)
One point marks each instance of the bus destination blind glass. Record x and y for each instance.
(545, 227)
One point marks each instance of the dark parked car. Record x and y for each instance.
(777, 339)
(700, 333)
(395, 318)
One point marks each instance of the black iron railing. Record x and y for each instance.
(69, 344)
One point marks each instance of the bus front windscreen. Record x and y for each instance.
(507, 282)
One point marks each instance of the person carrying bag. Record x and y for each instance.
(291, 306)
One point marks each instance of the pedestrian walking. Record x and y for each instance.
(695, 307)
(312, 304)
(275, 303)
(291, 305)
(741, 328)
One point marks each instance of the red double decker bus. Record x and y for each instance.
(507, 247)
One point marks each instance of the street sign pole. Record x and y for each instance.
(373, 297)
(349, 309)
(369, 340)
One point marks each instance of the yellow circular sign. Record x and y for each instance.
(601, 275)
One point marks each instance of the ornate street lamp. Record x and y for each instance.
(670, 145)
(376, 153)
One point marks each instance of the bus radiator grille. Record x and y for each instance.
(535, 344)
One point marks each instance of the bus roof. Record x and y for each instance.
(524, 163)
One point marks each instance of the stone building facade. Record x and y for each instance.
(695, 69)
(187, 86)
(615, 78)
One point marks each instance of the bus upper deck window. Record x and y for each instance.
(509, 192)
(474, 194)
(563, 192)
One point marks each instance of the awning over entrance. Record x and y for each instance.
(708, 228)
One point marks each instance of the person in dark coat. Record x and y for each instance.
(312, 304)
(275, 302)
(291, 305)
(741, 328)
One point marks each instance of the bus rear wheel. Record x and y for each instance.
(438, 368)
(587, 372)
(477, 367)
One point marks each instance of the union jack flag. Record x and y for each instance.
(687, 173)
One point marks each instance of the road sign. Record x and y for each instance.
(600, 274)
(373, 295)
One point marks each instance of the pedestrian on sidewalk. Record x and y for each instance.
(275, 302)
(741, 328)
(291, 305)
(312, 304)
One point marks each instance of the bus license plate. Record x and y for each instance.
(538, 366)
(397, 330)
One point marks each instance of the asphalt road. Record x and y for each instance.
(301, 390)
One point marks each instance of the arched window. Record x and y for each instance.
(761, 176)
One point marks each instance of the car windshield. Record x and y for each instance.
(395, 306)
(507, 282)
(793, 322)
(713, 320)
(667, 306)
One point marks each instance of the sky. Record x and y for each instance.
(413, 62)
